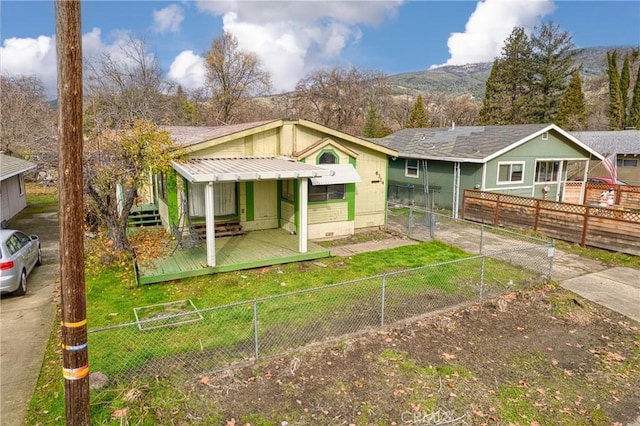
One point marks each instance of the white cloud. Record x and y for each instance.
(168, 19)
(31, 56)
(188, 70)
(294, 38)
(490, 24)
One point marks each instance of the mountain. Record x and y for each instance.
(472, 78)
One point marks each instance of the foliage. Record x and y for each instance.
(27, 127)
(418, 117)
(616, 113)
(493, 101)
(338, 97)
(118, 165)
(374, 127)
(634, 108)
(553, 57)
(572, 112)
(234, 76)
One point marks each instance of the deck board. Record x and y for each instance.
(252, 250)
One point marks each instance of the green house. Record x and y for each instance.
(435, 165)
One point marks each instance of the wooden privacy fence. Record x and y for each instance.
(625, 195)
(603, 227)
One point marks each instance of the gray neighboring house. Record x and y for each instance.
(13, 196)
(435, 165)
(625, 144)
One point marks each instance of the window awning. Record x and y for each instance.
(246, 169)
(342, 173)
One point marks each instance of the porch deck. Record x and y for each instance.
(253, 250)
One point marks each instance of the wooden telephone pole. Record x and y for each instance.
(75, 357)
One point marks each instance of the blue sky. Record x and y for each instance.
(297, 37)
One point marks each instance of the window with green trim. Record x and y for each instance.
(327, 158)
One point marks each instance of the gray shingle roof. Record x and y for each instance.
(11, 166)
(471, 143)
(610, 142)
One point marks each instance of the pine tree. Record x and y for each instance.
(373, 125)
(553, 53)
(418, 117)
(572, 112)
(634, 108)
(625, 78)
(615, 95)
(493, 103)
(516, 76)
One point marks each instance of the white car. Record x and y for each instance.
(19, 255)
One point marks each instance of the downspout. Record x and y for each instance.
(425, 184)
(456, 189)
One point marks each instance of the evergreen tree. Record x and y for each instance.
(634, 109)
(373, 125)
(625, 79)
(553, 53)
(572, 112)
(615, 95)
(493, 103)
(516, 76)
(418, 117)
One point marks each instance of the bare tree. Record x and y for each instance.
(28, 124)
(125, 86)
(338, 97)
(234, 77)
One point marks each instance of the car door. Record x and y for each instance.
(28, 250)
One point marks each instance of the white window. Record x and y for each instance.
(511, 172)
(21, 183)
(327, 192)
(411, 168)
(547, 171)
(545, 136)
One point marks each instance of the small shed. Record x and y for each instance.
(13, 195)
(435, 165)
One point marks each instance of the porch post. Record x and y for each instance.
(304, 213)
(210, 221)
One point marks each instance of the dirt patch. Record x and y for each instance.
(536, 357)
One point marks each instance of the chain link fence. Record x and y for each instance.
(179, 338)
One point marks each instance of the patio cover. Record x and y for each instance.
(342, 173)
(247, 169)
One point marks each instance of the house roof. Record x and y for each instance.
(612, 142)
(246, 169)
(475, 144)
(194, 138)
(11, 166)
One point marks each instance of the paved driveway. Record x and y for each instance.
(25, 322)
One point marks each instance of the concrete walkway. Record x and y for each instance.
(26, 322)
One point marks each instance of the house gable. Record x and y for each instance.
(312, 153)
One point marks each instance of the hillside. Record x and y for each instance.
(472, 78)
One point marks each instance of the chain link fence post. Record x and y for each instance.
(410, 224)
(255, 328)
(481, 236)
(482, 278)
(550, 255)
(384, 283)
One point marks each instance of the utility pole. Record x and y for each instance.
(75, 357)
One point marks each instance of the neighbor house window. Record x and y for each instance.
(328, 158)
(547, 171)
(627, 162)
(411, 168)
(510, 173)
(327, 192)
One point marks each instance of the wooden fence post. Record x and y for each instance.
(537, 217)
(585, 226)
(496, 215)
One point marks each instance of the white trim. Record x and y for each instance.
(547, 160)
(303, 226)
(502, 189)
(406, 168)
(484, 176)
(510, 163)
(210, 222)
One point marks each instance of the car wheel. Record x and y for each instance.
(39, 261)
(22, 287)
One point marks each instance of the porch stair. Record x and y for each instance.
(147, 215)
(227, 228)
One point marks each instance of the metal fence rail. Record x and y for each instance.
(201, 341)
